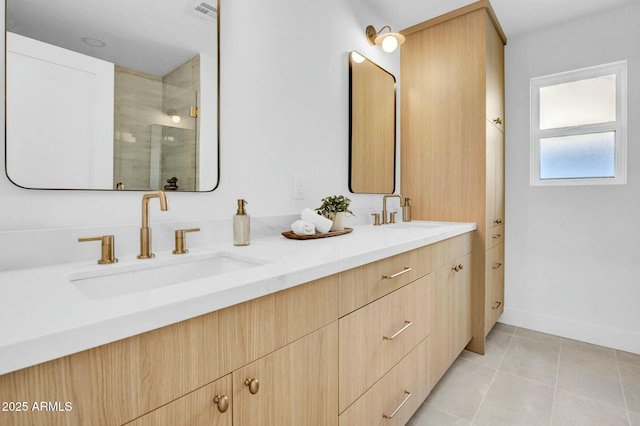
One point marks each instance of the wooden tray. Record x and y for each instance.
(291, 235)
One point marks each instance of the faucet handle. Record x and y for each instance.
(108, 248)
(376, 219)
(181, 240)
(392, 218)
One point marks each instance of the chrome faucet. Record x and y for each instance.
(145, 232)
(384, 208)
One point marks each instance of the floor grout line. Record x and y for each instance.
(493, 378)
(555, 386)
(624, 394)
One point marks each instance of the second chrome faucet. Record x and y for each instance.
(145, 231)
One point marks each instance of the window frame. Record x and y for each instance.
(619, 126)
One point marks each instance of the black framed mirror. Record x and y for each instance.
(117, 95)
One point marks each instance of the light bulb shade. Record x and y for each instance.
(388, 41)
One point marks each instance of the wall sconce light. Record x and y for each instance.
(173, 115)
(389, 41)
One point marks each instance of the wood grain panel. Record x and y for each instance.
(451, 167)
(194, 409)
(365, 354)
(410, 375)
(365, 284)
(298, 384)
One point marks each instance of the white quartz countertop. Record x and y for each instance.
(44, 315)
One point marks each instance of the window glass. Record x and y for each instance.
(579, 126)
(578, 156)
(588, 101)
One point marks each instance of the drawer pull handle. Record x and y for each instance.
(458, 267)
(497, 265)
(222, 401)
(497, 236)
(498, 221)
(497, 305)
(397, 274)
(253, 385)
(407, 324)
(404, 401)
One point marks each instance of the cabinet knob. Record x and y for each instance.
(497, 305)
(497, 265)
(498, 221)
(222, 401)
(497, 120)
(253, 385)
(459, 267)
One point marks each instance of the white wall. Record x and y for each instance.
(573, 253)
(284, 111)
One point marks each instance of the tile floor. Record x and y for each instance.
(532, 378)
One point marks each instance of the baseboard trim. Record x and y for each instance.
(623, 340)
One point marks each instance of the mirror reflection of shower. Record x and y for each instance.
(156, 129)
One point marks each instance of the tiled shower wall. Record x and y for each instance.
(142, 100)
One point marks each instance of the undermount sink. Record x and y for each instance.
(118, 280)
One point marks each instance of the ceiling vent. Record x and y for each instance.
(204, 10)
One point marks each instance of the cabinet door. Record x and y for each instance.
(495, 177)
(495, 76)
(451, 320)
(296, 385)
(207, 406)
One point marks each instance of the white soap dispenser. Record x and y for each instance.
(241, 225)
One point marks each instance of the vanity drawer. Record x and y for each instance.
(369, 282)
(373, 339)
(495, 236)
(494, 305)
(446, 251)
(494, 269)
(408, 380)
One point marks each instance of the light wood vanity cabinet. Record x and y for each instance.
(452, 154)
(121, 381)
(347, 349)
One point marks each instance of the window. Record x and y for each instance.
(578, 126)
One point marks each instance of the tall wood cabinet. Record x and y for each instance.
(452, 152)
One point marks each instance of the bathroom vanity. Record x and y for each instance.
(332, 331)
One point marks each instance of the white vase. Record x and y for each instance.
(338, 221)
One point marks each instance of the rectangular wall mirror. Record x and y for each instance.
(112, 95)
(372, 127)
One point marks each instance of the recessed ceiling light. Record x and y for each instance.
(93, 42)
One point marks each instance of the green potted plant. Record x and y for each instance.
(335, 208)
